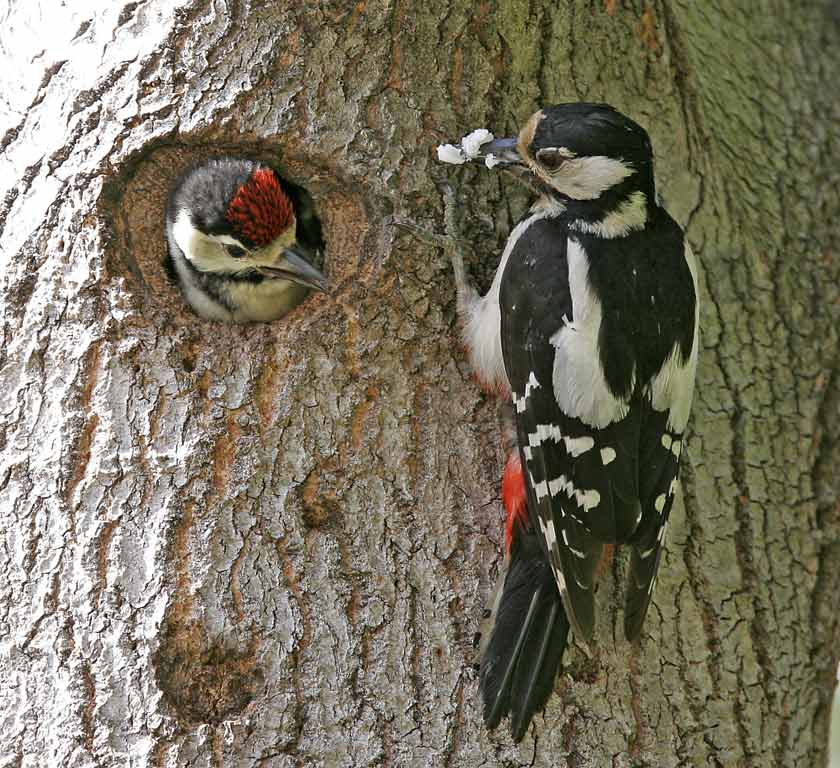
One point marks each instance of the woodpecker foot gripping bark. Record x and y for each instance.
(466, 292)
(452, 244)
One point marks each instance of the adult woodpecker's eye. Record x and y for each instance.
(551, 159)
(235, 251)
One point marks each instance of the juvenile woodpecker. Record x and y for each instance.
(232, 235)
(591, 325)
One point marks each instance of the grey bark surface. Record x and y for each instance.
(271, 545)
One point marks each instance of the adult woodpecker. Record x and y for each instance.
(591, 325)
(232, 235)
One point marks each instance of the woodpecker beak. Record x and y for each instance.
(500, 152)
(294, 266)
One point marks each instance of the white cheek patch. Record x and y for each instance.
(586, 178)
(206, 254)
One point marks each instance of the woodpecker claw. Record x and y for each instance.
(421, 233)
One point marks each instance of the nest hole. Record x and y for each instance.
(135, 204)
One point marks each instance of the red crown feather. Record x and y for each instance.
(261, 211)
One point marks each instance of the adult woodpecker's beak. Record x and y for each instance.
(294, 266)
(500, 152)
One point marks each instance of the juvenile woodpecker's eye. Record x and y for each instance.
(235, 251)
(551, 159)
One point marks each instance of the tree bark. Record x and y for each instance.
(270, 545)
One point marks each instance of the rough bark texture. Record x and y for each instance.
(271, 545)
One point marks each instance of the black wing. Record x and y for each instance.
(660, 460)
(661, 436)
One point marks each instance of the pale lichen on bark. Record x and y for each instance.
(271, 545)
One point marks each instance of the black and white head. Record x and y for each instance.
(589, 157)
(231, 228)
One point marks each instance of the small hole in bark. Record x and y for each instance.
(319, 507)
(204, 680)
(135, 202)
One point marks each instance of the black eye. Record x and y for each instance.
(551, 159)
(235, 251)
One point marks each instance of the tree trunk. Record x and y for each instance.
(270, 545)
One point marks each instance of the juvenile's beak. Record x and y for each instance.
(293, 266)
(502, 152)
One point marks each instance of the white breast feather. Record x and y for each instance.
(482, 316)
(265, 301)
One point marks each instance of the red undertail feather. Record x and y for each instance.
(261, 211)
(513, 497)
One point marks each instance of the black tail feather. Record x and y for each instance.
(502, 668)
(520, 663)
(537, 673)
(641, 579)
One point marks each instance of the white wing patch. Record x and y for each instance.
(585, 499)
(530, 385)
(554, 557)
(579, 384)
(575, 446)
(540, 489)
(551, 534)
(673, 387)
